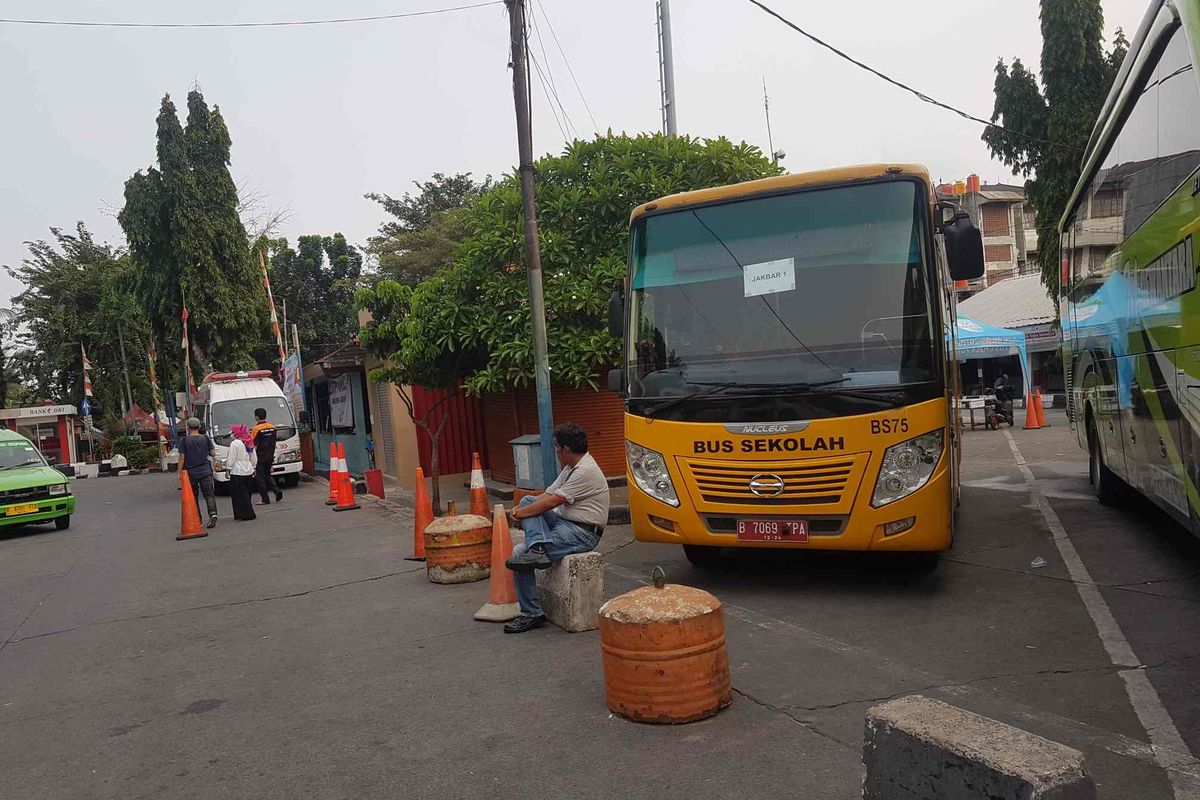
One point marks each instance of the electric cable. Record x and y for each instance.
(541, 8)
(274, 24)
(919, 94)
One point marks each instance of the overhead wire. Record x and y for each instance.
(529, 86)
(550, 75)
(272, 24)
(546, 91)
(919, 94)
(542, 9)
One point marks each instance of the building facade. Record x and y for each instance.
(1008, 224)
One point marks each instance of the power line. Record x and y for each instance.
(550, 76)
(919, 94)
(567, 61)
(546, 91)
(277, 24)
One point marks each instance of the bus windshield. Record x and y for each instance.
(228, 413)
(824, 287)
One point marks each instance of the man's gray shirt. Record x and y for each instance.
(585, 491)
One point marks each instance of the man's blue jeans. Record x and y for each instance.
(561, 538)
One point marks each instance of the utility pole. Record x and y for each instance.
(767, 111)
(125, 365)
(666, 68)
(533, 256)
(775, 154)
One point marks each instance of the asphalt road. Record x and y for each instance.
(300, 655)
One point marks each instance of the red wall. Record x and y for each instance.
(601, 414)
(462, 435)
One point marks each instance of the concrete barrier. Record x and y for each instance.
(572, 590)
(917, 747)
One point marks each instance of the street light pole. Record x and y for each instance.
(533, 257)
(666, 67)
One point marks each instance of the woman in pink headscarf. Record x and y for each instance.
(240, 462)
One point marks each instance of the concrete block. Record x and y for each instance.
(918, 748)
(88, 471)
(572, 590)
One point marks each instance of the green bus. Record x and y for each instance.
(1129, 307)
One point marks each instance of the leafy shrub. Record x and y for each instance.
(138, 454)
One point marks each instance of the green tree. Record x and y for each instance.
(75, 292)
(426, 227)
(584, 199)
(318, 280)
(186, 239)
(417, 351)
(1048, 126)
(470, 321)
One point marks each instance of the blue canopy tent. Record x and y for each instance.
(980, 340)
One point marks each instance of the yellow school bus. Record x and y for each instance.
(788, 363)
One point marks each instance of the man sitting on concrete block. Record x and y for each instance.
(568, 518)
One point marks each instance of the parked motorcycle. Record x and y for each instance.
(997, 409)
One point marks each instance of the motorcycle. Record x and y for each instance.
(998, 409)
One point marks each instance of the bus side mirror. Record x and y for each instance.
(964, 247)
(616, 312)
(616, 380)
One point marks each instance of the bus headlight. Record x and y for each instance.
(907, 467)
(650, 473)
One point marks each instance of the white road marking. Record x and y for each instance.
(1170, 750)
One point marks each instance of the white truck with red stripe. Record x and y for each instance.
(230, 398)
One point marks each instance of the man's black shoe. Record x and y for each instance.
(212, 521)
(278, 496)
(533, 558)
(523, 623)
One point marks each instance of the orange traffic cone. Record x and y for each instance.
(502, 593)
(334, 474)
(422, 516)
(189, 514)
(479, 501)
(1031, 422)
(1037, 407)
(345, 501)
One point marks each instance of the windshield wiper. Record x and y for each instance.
(31, 462)
(713, 388)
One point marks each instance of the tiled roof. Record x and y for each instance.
(1013, 303)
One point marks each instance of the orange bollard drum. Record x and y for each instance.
(664, 654)
(458, 549)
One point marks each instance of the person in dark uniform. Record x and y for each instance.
(265, 436)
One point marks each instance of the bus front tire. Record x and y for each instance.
(702, 556)
(63, 522)
(1105, 483)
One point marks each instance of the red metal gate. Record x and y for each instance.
(462, 434)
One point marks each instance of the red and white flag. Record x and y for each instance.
(274, 317)
(187, 358)
(87, 366)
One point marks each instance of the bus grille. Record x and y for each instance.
(819, 482)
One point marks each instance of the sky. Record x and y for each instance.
(321, 115)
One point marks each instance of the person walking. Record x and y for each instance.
(265, 436)
(569, 518)
(198, 451)
(241, 463)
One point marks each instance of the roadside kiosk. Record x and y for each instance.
(49, 427)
